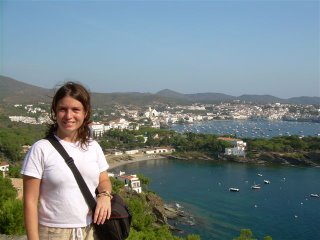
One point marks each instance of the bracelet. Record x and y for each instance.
(104, 193)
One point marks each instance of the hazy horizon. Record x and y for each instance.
(60, 83)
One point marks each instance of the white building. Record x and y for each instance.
(151, 113)
(130, 181)
(132, 152)
(24, 119)
(159, 150)
(120, 123)
(173, 120)
(4, 168)
(238, 148)
(97, 129)
(155, 124)
(115, 152)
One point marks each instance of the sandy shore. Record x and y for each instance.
(117, 161)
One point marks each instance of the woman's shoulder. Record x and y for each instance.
(41, 143)
(93, 143)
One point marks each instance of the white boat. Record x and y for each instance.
(314, 195)
(259, 174)
(266, 181)
(256, 186)
(234, 189)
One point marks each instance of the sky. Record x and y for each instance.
(233, 47)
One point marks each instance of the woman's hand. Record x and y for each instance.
(103, 209)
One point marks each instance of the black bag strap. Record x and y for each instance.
(69, 160)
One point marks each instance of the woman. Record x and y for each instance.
(63, 212)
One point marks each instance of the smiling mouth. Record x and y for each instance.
(68, 123)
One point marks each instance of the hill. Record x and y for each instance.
(14, 91)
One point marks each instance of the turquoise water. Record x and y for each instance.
(282, 209)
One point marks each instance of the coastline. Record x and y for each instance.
(118, 161)
(264, 158)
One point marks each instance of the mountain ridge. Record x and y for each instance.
(15, 91)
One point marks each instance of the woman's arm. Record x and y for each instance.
(104, 183)
(31, 190)
(103, 208)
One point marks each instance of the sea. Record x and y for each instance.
(283, 209)
(251, 129)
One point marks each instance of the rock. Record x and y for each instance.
(170, 212)
(157, 207)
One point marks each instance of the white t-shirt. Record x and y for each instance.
(61, 201)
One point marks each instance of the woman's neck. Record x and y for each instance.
(72, 137)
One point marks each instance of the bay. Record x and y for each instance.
(252, 129)
(282, 209)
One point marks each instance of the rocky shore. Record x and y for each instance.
(311, 159)
(264, 158)
(170, 214)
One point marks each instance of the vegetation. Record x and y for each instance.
(204, 146)
(144, 222)
(11, 209)
(183, 142)
(246, 234)
(284, 144)
(15, 135)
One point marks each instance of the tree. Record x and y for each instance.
(8, 192)
(144, 181)
(267, 238)
(116, 184)
(141, 220)
(14, 171)
(11, 218)
(193, 237)
(245, 234)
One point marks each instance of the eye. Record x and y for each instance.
(77, 110)
(61, 109)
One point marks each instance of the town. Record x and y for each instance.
(162, 116)
(131, 117)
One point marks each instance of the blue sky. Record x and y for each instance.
(232, 47)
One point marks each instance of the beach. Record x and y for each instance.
(117, 161)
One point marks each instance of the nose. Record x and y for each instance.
(68, 114)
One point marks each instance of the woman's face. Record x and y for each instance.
(70, 115)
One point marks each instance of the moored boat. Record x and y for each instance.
(234, 189)
(256, 186)
(314, 195)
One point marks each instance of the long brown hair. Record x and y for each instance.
(80, 93)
